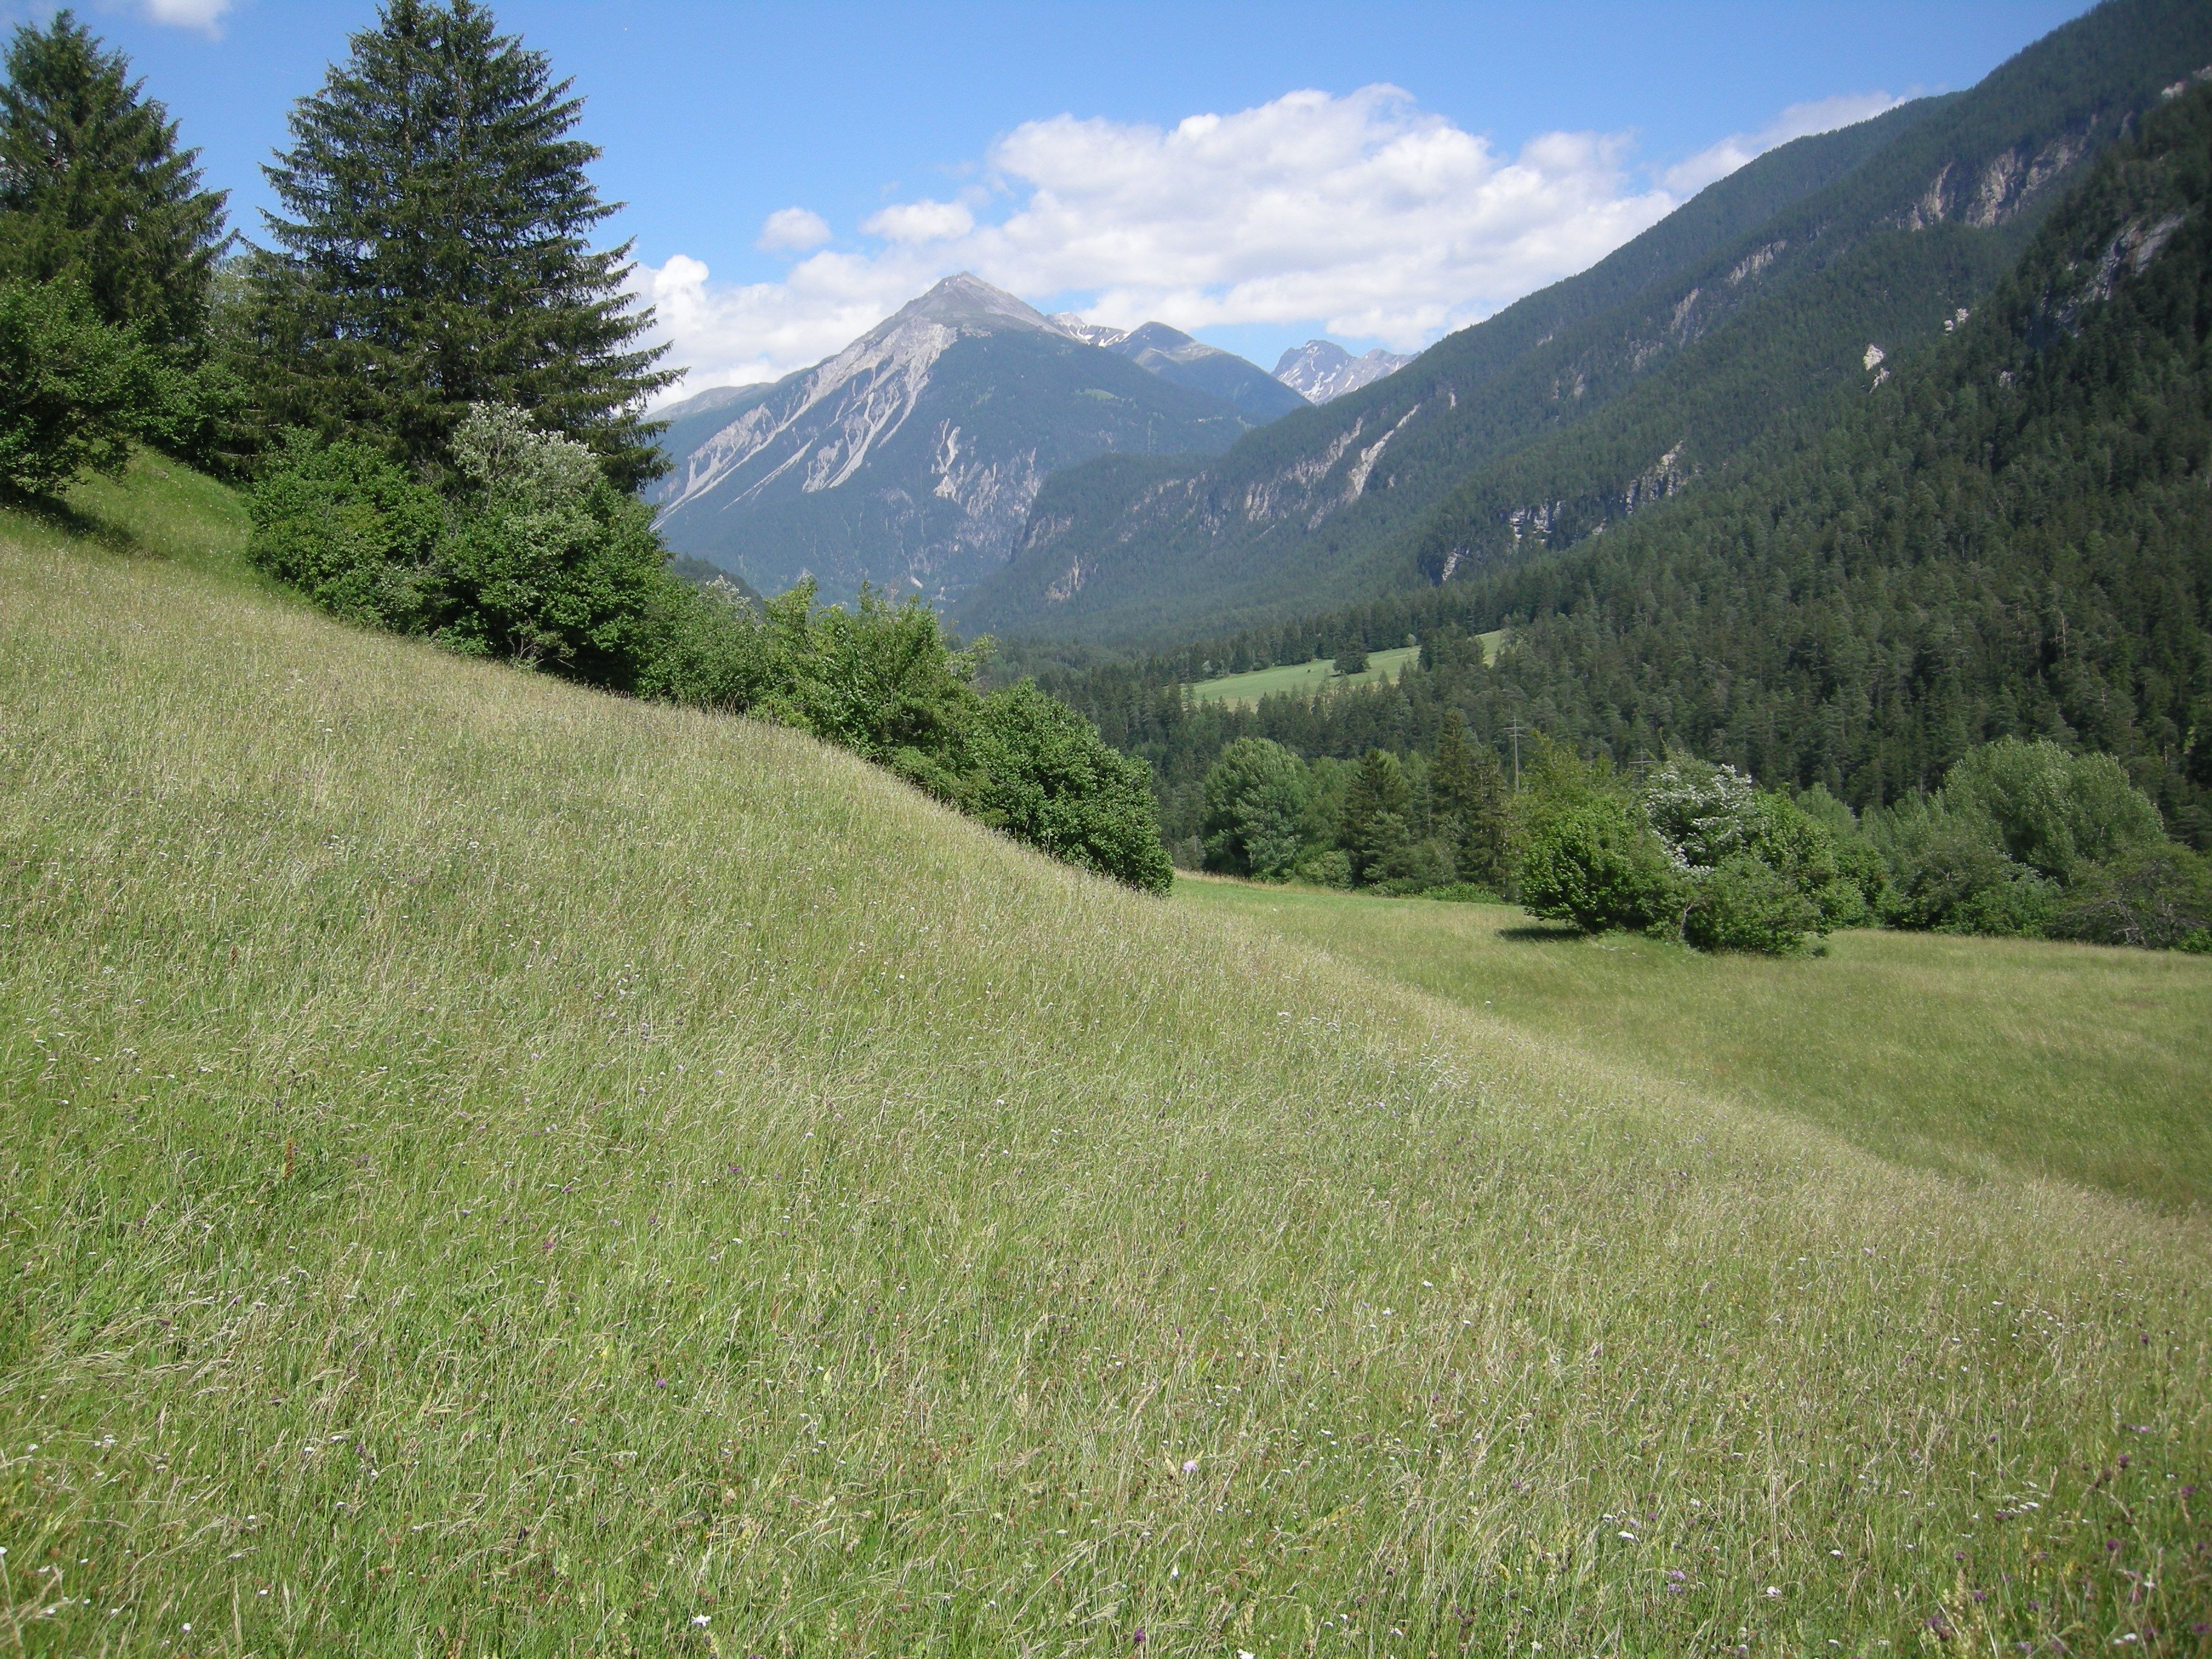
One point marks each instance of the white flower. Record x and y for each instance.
(700, 1619)
(1774, 1590)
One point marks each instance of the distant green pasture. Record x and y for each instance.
(1301, 678)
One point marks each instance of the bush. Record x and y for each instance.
(1747, 904)
(1048, 779)
(1331, 868)
(549, 565)
(74, 391)
(2053, 811)
(1353, 661)
(351, 530)
(2157, 898)
(1592, 859)
(1955, 880)
(1413, 867)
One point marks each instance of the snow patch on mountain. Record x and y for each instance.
(1321, 369)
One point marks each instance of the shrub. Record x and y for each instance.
(2156, 898)
(74, 391)
(2054, 812)
(1702, 812)
(349, 530)
(1592, 859)
(1048, 779)
(1351, 660)
(549, 565)
(1953, 879)
(1413, 866)
(1747, 904)
(1331, 868)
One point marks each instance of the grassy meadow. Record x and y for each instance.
(487, 1167)
(1299, 678)
(1983, 1058)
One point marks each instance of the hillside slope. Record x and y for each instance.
(489, 1167)
(2012, 537)
(1581, 405)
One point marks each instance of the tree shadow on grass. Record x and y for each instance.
(59, 515)
(1542, 934)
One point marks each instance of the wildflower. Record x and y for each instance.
(1774, 1590)
(699, 1621)
(1190, 1466)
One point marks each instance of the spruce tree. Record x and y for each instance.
(433, 252)
(1468, 787)
(94, 190)
(1378, 807)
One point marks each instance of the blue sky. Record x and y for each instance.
(1377, 171)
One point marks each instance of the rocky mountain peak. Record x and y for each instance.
(1321, 369)
(966, 301)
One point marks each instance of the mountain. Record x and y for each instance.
(1322, 371)
(1590, 401)
(910, 458)
(1174, 356)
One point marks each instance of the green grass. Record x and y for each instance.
(1300, 679)
(490, 1169)
(1979, 1057)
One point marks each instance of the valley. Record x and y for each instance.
(1541, 987)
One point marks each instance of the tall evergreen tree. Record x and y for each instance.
(95, 192)
(1377, 824)
(433, 252)
(1468, 787)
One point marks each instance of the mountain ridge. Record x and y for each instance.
(908, 460)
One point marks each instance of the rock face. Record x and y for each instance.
(910, 458)
(1320, 370)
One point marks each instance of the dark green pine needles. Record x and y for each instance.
(94, 193)
(433, 252)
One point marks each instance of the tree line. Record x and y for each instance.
(435, 391)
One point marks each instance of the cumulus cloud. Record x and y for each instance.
(792, 230)
(1798, 121)
(920, 222)
(1361, 215)
(185, 13)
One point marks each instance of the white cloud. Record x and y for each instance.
(920, 222)
(185, 13)
(1362, 216)
(1798, 121)
(793, 229)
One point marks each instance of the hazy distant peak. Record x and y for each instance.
(1071, 323)
(1321, 369)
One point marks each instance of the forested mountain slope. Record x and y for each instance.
(1617, 388)
(2012, 536)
